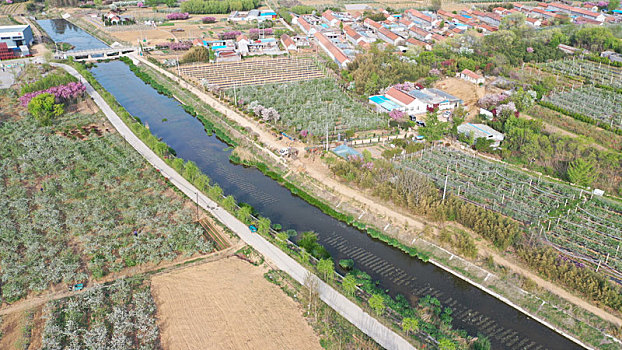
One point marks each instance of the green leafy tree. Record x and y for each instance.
(191, 171)
(613, 5)
(349, 284)
(44, 108)
(482, 343)
(244, 214)
(523, 100)
(304, 256)
(434, 129)
(215, 193)
(196, 54)
(446, 344)
(409, 325)
(263, 226)
(326, 267)
(581, 172)
(282, 236)
(376, 302)
(228, 203)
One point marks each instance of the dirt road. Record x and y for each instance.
(228, 304)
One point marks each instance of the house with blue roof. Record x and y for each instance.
(481, 131)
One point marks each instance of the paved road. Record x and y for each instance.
(353, 313)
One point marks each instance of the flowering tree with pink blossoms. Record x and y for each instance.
(491, 101)
(62, 93)
(178, 16)
(397, 115)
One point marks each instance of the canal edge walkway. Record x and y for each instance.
(346, 308)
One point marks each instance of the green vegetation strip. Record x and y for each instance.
(579, 116)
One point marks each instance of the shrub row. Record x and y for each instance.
(579, 116)
(604, 60)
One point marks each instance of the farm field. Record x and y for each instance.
(115, 316)
(585, 70)
(601, 105)
(584, 227)
(312, 105)
(13, 9)
(76, 202)
(227, 304)
(492, 185)
(253, 72)
(593, 230)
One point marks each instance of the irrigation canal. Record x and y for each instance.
(61, 30)
(473, 309)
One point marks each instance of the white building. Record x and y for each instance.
(472, 77)
(481, 131)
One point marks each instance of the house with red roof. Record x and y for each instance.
(305, 26)
(421, 18)
(352, 35)
(420, 34)
(288, 43)
(330, 18)
(415, 42)
(576, 11)
(534, 22)
(408, 104)
(471, 76)
(332, 50)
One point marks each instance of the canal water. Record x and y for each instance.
(61, 30)
(473, 310)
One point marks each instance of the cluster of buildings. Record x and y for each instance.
(228, 50)
(416, 101)
(343, 34)
(252, 15)
(547, 13)
(15, 41)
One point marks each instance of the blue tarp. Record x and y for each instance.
(344, 151)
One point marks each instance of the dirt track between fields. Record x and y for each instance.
(228, 304)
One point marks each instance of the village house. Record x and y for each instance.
(470, 76)
(408, 104)
(481, 131)
(330, 18)
(304, 25)
(332, 50)
(352, 35)
(288, 43)
(436, 99)
(421, 19)
(576, 11)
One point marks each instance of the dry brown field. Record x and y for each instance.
(228, 304)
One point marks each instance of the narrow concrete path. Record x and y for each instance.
(346, 308)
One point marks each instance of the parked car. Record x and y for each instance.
(76, 287)
(253, 228)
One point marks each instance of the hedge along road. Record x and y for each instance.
(366, 323)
